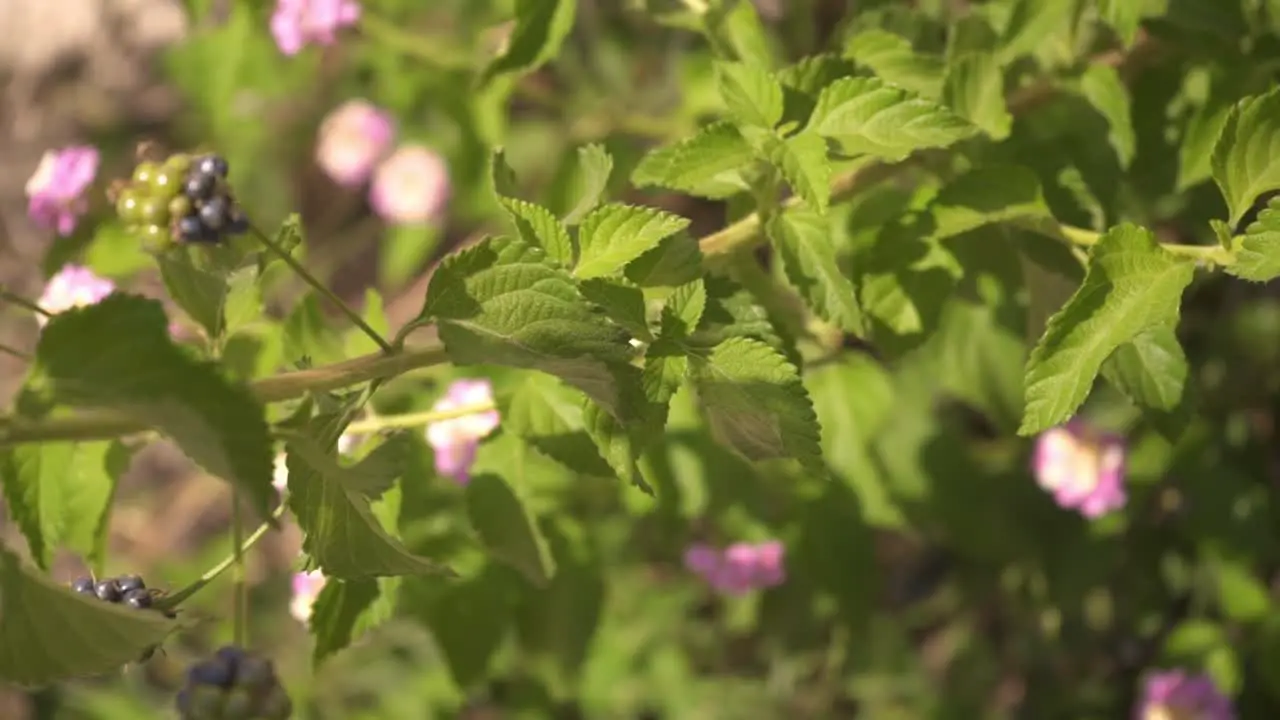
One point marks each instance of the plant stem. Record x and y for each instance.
(14, 352)
(321, 288)
(418, 419)
(171, 601)
(15, 299)
(98, 425)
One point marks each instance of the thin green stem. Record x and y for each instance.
(14, 352)
(418, 419)
(321, 288)
(15, 299)
(168, 602)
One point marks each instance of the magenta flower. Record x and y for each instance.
(352, 139)
(456, 439)
(297, 23)
(306, 588)
(56, 191)
(411, 186)
(1175, 695)
(1082, 467)
(73, 286)
(739, 568)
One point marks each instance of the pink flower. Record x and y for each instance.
(1082, 467)
(73, 286)
(352, 139)
(739, 568)
(456, 439)
(411, 186)
(1175, 695)
(55, 192)
(306, 588)
(280, 470)
(296, 23)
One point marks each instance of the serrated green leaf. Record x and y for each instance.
(379, 470)
(507, 529)
(987, 195)
(802, 159)
(1123, 16)
(198, 291)
(548, 415)
(1195, 152)
(613, 235)
(57, 493)
(974, 89)
(676, 261)
(893, 60)
(903, 281)
(753, 96)
(616, 444)
(708, 164)
(1151, 369)
(621, 300)
(243, 304)
(1246, 158)
(1258, 251)
(535, 224)
(118, 354)
(49, 633)
(336, 613)
(1105, 91)
(341, 534)
(594, 167)
(683, 310)
(1132, 285)
(754, 402)
(866, 116)
(803, 240)
(665, 367)
(503, 302)
(540, 28)
(738, 25)
(731, 311)
(802, 82)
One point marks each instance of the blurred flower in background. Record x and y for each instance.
(456, 440)
(297, 23)
(56, 191)
(280, 472)
(1175, 695)
(306, 588)
(1082, 468)
(352, 139)
(739, 568)
(411, 186)
(73, 286)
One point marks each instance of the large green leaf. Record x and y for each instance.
(118, 354)
(540, 28)
(893, 59)
(802, 160)
(613, 235)
(1102, 86)
(336, 613)
(708, 164)
(1131, 286)
(57, 493)
(536, 224)
(803, 239)
(1246, 158)
(507, 530)
(974, 88)
(49, 633)
(548, 415)
(594, 168)
(866, 116)
(1151, 369)
(753, 95)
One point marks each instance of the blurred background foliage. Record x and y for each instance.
(931, 578)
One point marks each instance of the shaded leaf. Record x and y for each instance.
(1246, 158)
(507, 529)
(804, 241)
(540, 28)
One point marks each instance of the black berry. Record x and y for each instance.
(83, 586)
(129, 583)
(107, 590)
(213, 213)
(138, 599)
(211, 165)
(233, 683)
(190, 229)
(238, 223)
(199, 186)
(215, 673)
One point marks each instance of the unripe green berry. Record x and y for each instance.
(164, 184)
(143, 173)
(179, 207)
(156, 238)
(128, 208)
(153, 211)
(178, 165)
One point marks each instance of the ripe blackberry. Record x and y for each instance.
(211, 165)
(138, 599)
(107, 590)
(199, 186)
(214, 213)
(233, 684)
(84, 586)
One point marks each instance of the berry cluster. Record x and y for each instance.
(127, 589)
(233, 685)
(183, 198)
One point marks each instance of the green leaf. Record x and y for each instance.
(538, 226)
(342, 535)
(1195, 152)
(337, 612)
(893, 60)
(57, 493)
(1132, 285)
(987, 195)
(1151, 369)
(866, 116)
(243, 303)
(708, 164)
(676, 261)
(1123, 16)
(1033, 25)
(618, 445)
(802, 159)
(379, 470)
(595, 166)
(1258, 251)
(802, 82)
(548, 415)
(613, 235)
(288, 238)
(49, 633)
(753, 96)
(504, 302)
(198, 291)
(755, 403)
(683, 310)
(507, 529)
(470, 619)
(1246, 158)
(540, 28)
(117, 354)
(621, 300)
(731, 311)
(974, 89)
(308, 334)
(803, 239)
(1105, 91)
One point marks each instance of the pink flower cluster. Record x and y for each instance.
(1177, 695)
(1082, 468)
(71, 287)
(298, 23)
(739, 568)
(306, 588)
(456, 440)
(56, 191)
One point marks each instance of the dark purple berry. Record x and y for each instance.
(107, 590)
(199, 186)
(238, 704)
(83, 586)
(129, 583)
(190, 229)
(211, 165)
(213, 213)
(215, 673)
(255, 672)
(232, 656)
(138, 598)
(238, 222)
